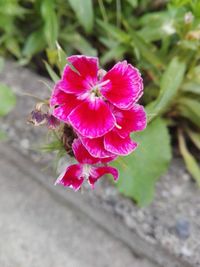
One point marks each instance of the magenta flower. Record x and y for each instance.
(86, 101)
(118, 141)
(102, 111)
(88, 168)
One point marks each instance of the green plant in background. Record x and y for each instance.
(161, 39)
(7, 100)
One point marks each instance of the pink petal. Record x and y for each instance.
(98, 172)
(72, 177)
(118, 145)
(92, 118)
(130, 120)
(81, 154)
(62, 103)
(109, 159)
(96, 148)
(80, 79)
(124, 87)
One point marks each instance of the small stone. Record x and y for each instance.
(146, 227)
(110, 191)
(186, 251)
(122, 209)
(186, 177)
(140, 215)
(176, 191)
(165, 194)
(130, 222)
(25, 143)
(183, 228)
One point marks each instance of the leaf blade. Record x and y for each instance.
(140, 170)
(8, 100)
(190, 162)
(84, 13)
(169, 87)
(51, 72)
(50, 22)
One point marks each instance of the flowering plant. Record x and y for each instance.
(97, 111)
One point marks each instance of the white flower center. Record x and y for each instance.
(96, 89)
(86, 170)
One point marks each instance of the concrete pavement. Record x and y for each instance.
(39, 229)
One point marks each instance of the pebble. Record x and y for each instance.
(130, 222)
(185, 177)
(25, 143)
(165, 194)
(183, 228)
(186, 251)
(176, 191)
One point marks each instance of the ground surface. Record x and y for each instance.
(167, 231)
(39, 229)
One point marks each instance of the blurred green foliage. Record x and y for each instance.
(7, 99)
(161, 38)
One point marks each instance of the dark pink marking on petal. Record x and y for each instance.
(98, 172)
(108, 159)
(72, 177)
(80, 80)
(52, 122)
(130, 120)
(95, 147)
(92, 118)
(125, 85)
(62, 103)
(118, 145)
(81, 153)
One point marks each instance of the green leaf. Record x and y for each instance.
(1, 63)
(140, 170)
(115, 32)
(78, 42)
(3, 136)
(190, 162)
(8, 99)
(50, 22)
(51, 72)
(107, 42)
(157, 25)
(13, 46)
(62, 60)
(57, 57)
(195, 137)
(147, 50)
(62, 57)
(84, 13)
(191, 87)
(34, 44)
(116, 53)
(133, 3)
(52, 55)
(169, 86)
(190, 108)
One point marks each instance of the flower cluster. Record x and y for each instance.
(101, 109)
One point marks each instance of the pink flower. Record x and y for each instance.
(118, 141)
(90, 103)
(88, 168)
(102, 111)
